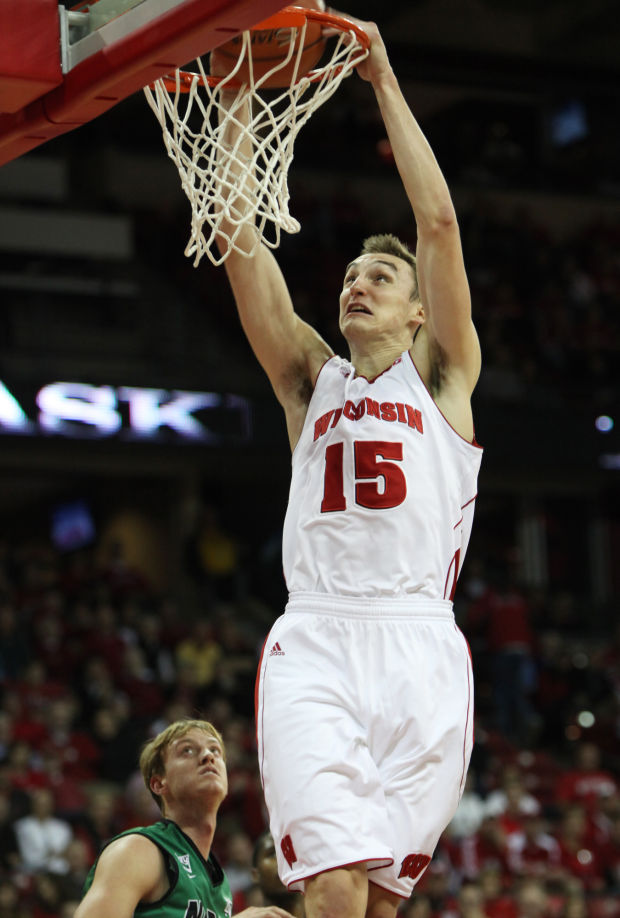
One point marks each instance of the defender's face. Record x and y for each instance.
(376, 296)
(195, 768)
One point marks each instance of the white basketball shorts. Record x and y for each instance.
(364, 713)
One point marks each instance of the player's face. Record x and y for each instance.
(376, 297)
(195, 769)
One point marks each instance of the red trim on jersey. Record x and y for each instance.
(324, 364)
(456, 564)
(378, 376)
(473, 442)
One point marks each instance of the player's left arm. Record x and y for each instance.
(444, 289)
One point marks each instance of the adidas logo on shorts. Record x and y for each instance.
(276, 651)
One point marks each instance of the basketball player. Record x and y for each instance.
(364, 693)
(167, 869)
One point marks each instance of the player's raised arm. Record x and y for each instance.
(289, 350)
(444, 289)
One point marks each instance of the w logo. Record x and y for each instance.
(413, 865)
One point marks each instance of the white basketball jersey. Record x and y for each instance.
(382, 491)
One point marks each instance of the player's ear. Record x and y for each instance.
(157, 784)
(417, 312)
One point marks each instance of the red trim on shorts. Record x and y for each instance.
(256, 683)
(469, 699)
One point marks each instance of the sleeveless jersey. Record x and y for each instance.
(382, 490)
(198, 888)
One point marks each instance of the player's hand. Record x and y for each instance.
(377, 63)
(267, 911)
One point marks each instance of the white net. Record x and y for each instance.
(244, 182)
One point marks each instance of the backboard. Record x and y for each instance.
(60, 68)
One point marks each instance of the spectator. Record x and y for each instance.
(511, 803)
(96, 686)
(74, 747)
(486, 847)
(469, 902)
(587, 781)
(71, 883)
(23, 768)
(158, 657)
(503, 613)
(532, 899)
(99, 821)
(580, 856)
(216, 557)
(138, 682)
(534, 852)
(199, 654)
(498, 900)
(117, 740)
(42, 837)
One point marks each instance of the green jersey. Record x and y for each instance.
(198, 888)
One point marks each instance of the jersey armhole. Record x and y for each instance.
(172, 873)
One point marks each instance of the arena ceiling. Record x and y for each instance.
(485, 37)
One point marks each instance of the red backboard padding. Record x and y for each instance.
(127, 65)
(29, 52)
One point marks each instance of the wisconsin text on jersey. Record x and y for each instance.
(383, 411)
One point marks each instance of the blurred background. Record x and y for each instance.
(140, 546)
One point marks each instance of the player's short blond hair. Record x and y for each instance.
(389, 244)
(152, 758)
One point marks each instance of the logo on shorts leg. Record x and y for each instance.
(288, 851)
(276, 651)
(413, 865)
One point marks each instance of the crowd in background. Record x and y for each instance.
(93, 662)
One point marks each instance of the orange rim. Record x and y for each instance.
(291, 17)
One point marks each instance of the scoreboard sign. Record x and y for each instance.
(78, 410)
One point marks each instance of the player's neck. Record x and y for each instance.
(199, 826)
(371, 363)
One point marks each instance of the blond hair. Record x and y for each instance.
(389, 244)
(152, 758)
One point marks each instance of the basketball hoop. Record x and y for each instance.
(246, 181)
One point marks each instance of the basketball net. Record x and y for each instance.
(228, 188)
